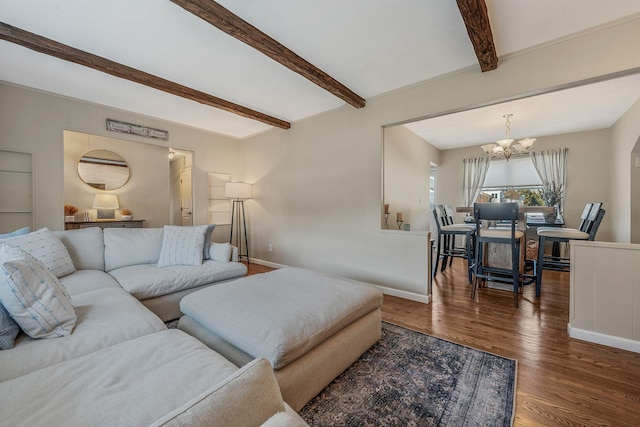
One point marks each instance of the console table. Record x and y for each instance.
(134, 223)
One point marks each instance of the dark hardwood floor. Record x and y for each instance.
(561, 381)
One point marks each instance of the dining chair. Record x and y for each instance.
(507, 233)
(589, 223)
(446, 248)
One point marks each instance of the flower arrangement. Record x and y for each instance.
(70, 210)
(484, 198)
(126, 212)
(551, 193)
(512, 194)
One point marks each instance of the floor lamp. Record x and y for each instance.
(238, 191)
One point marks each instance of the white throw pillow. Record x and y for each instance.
(33, 296)
(47, 248)
(220, 252)
(182, 245)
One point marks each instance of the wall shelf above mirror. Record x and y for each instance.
(103, 170)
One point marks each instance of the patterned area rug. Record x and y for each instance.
(412, 379)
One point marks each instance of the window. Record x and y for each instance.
(516, 174)
(432, 186)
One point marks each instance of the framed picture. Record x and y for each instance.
(407, 227)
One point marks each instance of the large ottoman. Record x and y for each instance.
(310, 326)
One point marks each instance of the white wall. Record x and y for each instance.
(318, 184)
(407, 162)
(602, 310)
(34, 122)
(625, 134)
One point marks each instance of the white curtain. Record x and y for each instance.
(551, 165)
(475, 171)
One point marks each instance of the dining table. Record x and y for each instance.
(529, 217)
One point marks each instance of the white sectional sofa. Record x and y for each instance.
(130, 256)
(120, 366)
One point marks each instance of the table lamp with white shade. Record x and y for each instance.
(106, 204)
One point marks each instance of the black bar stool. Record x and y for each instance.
(589, 222)
(446, 246)
(509, 234)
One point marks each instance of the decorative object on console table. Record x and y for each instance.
(399, 220)
(238, 191)
(69, 213)
(125, 215)
(135, 223)
(386, 215)
(106, 204)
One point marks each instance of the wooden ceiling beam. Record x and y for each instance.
(71, 54)
(476, 18)
(235, 26)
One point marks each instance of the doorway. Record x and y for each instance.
(180, 187)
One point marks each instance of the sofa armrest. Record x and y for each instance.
(248, 397)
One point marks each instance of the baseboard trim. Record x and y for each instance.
(608, 340)
(267, 263)
(426, 299)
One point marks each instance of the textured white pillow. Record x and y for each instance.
(182, 245)
(33, 296)
(220, 252)
(47, 248)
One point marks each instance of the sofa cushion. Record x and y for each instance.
(248, 397)
(9, 329)
(105, 317)
(148, 281)
(88, 280)
(47, 248)
(132, 383)
(220, 252)
(33, 295)
(182, 245)
(85, 246)
(18, 232)
(131, 246)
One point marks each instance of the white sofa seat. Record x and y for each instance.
(122, 385)
(81, 281)
(105, 317)
(166, 378)
(145, 281)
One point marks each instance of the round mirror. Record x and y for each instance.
(103, 169)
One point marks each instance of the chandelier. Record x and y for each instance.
(505, 147)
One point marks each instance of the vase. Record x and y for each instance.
(126, 217)
(69, 218)
(550, 217)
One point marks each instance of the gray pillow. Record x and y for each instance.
(207, 241)
(9, 329)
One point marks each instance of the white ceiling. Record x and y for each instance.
(589, 107)
(371, 46)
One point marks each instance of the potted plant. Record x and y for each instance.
(551, 194)
(126, 215)
(69, 213)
